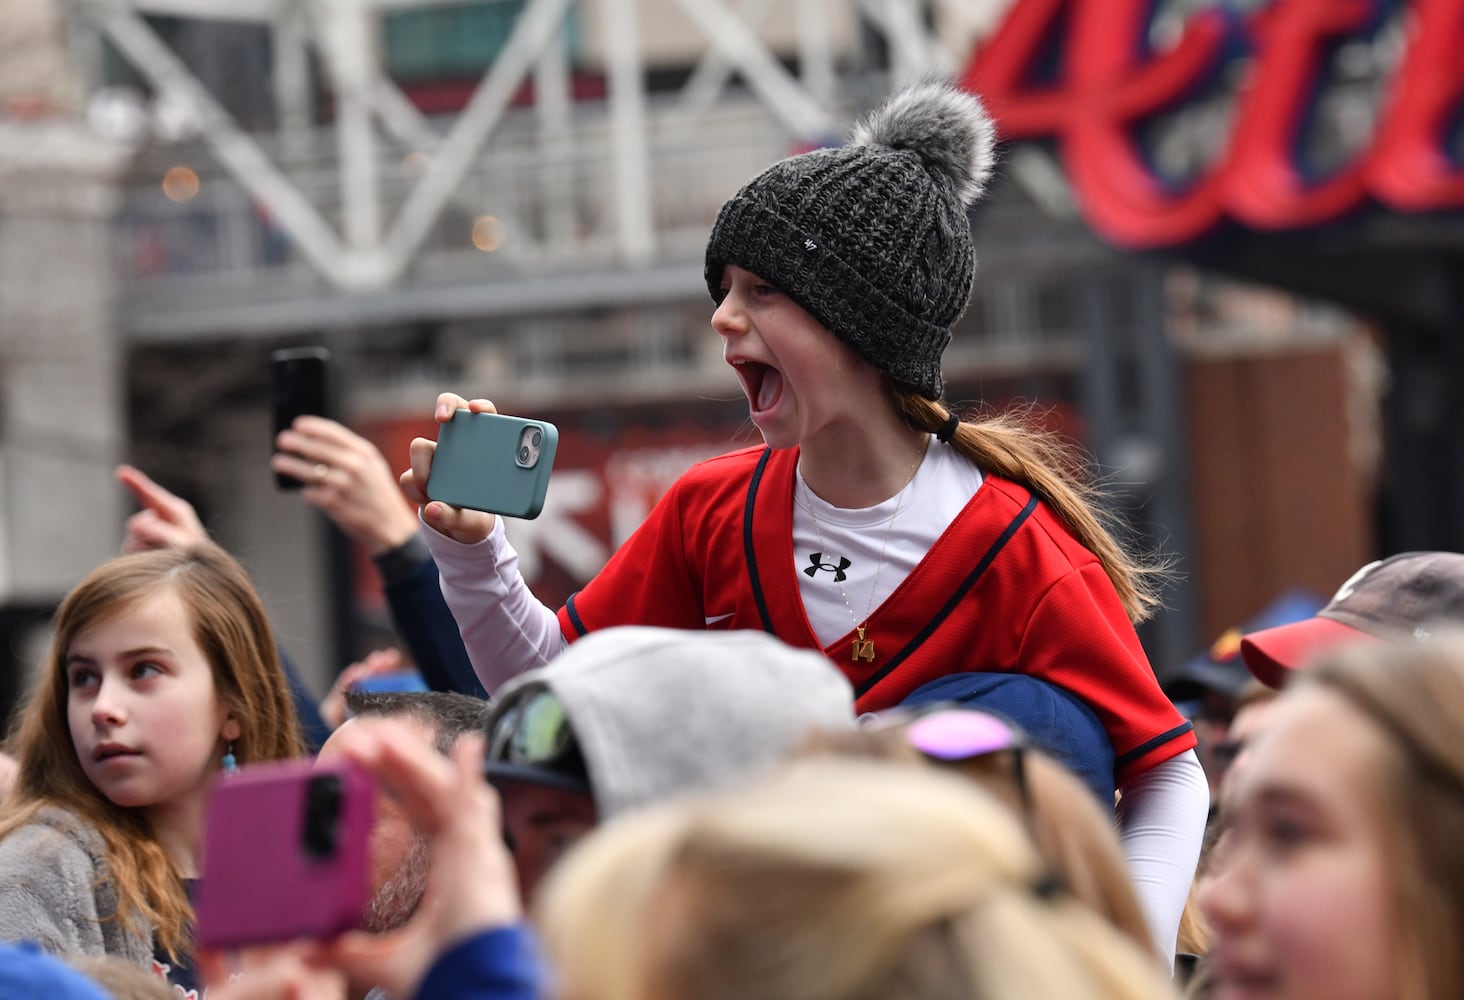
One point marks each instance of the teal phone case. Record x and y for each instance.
(479, 463)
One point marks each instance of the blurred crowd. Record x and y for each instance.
(857, 715)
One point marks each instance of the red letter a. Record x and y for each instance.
(1108, 81)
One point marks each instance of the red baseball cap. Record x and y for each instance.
(1397, 596)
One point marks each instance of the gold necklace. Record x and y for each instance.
(862, 648)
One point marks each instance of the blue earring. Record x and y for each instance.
(231, 765)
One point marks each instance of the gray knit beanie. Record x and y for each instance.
(872, 238)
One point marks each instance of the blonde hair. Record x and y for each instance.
(835, 879)
(231, 629)
(1014, 446)
(120, 979)
(1072, 832)
(1414, 693)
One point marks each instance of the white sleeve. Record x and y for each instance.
(505, 628)
(1161, 820)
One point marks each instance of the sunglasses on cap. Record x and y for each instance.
(532, 740)
(949, 734)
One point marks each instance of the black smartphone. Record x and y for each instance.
(300, 383)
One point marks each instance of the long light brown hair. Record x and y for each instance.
(231, 629)
(1014, 446)
(1414, 692)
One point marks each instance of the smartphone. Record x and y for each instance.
(286, 853)
(300, 383)
(491, 462)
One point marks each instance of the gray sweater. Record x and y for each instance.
(56, 889)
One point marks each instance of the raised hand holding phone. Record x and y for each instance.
(348, 479)
(493, 463)
(300, 385)
(458, 523)
(472, 886)
(286, 853)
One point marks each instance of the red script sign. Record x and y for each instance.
(1106, 82)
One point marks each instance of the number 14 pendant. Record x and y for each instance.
(863, 649)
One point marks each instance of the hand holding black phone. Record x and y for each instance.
(300, 384)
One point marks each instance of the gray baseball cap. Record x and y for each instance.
(649, 713)
(1400, 596)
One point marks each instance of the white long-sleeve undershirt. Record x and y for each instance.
(505, 628)
(1161, 821)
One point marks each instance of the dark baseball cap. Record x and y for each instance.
(1220, 668)
(1402, 595)
(1055, 720)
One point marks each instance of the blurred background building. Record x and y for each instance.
(1223, 253)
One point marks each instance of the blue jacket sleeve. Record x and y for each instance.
(501, 964)
(422, 618)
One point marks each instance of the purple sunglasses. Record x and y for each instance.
(952, 734)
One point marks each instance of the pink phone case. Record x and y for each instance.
(262, 880)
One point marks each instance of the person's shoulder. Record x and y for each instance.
(1010, 494)
(729, 461)
(1063, 550)
(54, 883)
(733, 468)
(53, 839)
(70, 824)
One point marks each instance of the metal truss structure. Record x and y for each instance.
(596, 214)
(365, 229)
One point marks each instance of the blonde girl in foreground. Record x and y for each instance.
(835, 880)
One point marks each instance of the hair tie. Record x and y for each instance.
(948, 429)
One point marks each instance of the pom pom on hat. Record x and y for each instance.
(948, 128)
(872, 239)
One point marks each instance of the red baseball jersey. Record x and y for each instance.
(1006, 588)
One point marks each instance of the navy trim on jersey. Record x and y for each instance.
(747, 546)
(1157, 741)
(950, 605)
(574, 618)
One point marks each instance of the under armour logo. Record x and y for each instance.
(810, 245)
(816, 563)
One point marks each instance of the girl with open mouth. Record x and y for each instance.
(873, 523)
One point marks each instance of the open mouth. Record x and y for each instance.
(762, 383)
(109, 751)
